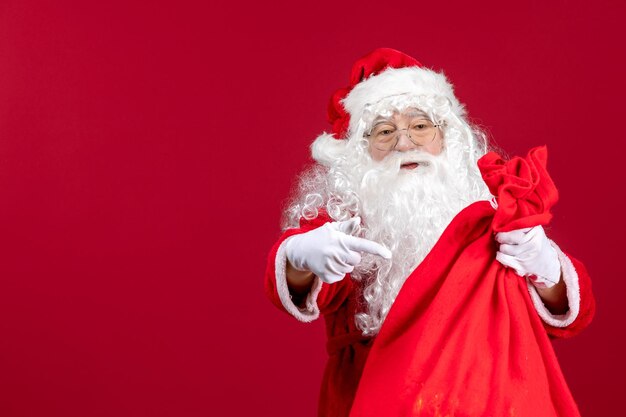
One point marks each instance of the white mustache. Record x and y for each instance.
(395, 161)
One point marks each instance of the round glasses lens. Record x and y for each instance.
(385, 136)
(422, 130)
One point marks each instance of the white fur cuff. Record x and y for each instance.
(310, 311)
(570, 276)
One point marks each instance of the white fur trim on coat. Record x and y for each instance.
(573, 294)
(310, 311)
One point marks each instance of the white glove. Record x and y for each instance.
(529, 253)
(329, 252)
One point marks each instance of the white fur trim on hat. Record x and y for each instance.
(401, 86)
(414, 81)
(325, 149)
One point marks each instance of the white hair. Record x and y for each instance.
(404, 210)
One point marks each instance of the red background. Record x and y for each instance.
(146, 150)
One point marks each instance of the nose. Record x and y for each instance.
(404, 141)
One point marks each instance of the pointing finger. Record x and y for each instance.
(353, 258)
(364, 245)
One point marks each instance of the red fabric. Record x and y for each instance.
(523, 187)
(347, 347)
(371, 64)
(348, 350)
(463, 337)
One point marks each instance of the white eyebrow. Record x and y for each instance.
(410, 113)
(381, 119)
(416, 113)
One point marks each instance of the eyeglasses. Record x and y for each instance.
(385, 135)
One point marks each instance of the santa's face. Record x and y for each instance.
(404, 131)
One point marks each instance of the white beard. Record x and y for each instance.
(406, 211)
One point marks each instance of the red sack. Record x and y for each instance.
(463, 337)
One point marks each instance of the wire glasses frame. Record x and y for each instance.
(384, 136)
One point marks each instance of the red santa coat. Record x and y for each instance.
(346, 346)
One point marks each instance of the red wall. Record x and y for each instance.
(146, 151)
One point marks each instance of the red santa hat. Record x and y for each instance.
(382, 73)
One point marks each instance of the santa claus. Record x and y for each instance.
(399, 165)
